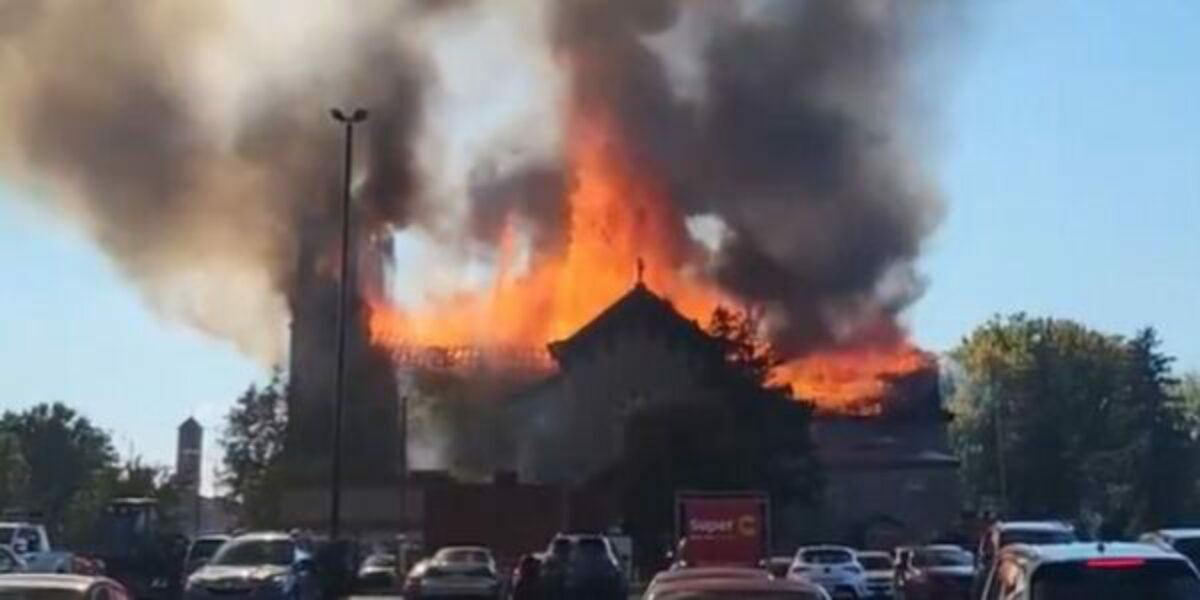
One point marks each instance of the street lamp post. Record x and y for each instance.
(335, 475)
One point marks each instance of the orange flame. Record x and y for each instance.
(619, 218)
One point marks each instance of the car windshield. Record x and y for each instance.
(875, 562)
(36, 593)
(250, 552)
(203, 549)
(826, 557)
(1036, 536)
(1116, 580)
(464, 555)
(591, 547)
(940, 558)
(7, 534)
(380, 560)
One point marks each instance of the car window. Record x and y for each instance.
(874, 563)
(249, 552)
(591, 547)
(203, 549)
(464, 555)
(1036, 536)
(380, 560)
(826, 557)
(940, 558)
(31, 539)
(1116, 579)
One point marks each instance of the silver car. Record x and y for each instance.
(262, 566)
(54, 586)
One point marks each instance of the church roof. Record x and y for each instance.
(638, 310)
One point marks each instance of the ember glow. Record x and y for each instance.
(618, 219)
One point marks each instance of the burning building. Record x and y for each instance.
(889, 476)
(761, 153)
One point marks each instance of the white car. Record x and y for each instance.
(455, 571)
(834, 568)
(880, 572)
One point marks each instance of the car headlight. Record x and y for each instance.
(279, 580)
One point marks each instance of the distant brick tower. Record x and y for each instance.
(188, 459)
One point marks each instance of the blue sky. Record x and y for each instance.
(1069, 158)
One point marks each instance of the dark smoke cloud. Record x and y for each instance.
(100, 101)
(795, 144)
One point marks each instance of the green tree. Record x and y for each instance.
(1056, 419)
(14, 472)
(253, 443)
(1163, 454)
(64, 455)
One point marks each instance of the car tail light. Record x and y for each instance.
(1115, 563)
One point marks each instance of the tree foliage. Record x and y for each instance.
(253, 443)
(1056, 419)
(55, 462)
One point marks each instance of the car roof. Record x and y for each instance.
(711, 573)
(1178, 534)
(875, 553)
(826, 547)
(264, 536)
(1034, 526)
(1087, 551)
(463, 548)
(736, 585)
(54, 581)
(19, 524)
(212, 537)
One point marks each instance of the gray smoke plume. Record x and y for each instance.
(797, 139)
(103, 108)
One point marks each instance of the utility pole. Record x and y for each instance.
(335, 475)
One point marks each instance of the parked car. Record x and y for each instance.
(31, 542)
(1003, 533)
(778, 566)
(1183, 541)
(737, 589)
(582, 566)
(378, 571)
(940, 572)
(201, 550)
(525, 582)
(265, 566)
(458, 571)
(879, 570)
(697, 573)
(57, 586)
(1092, 571)
(11, 562)
(832, 567)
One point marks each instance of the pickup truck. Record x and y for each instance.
(31, 542)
